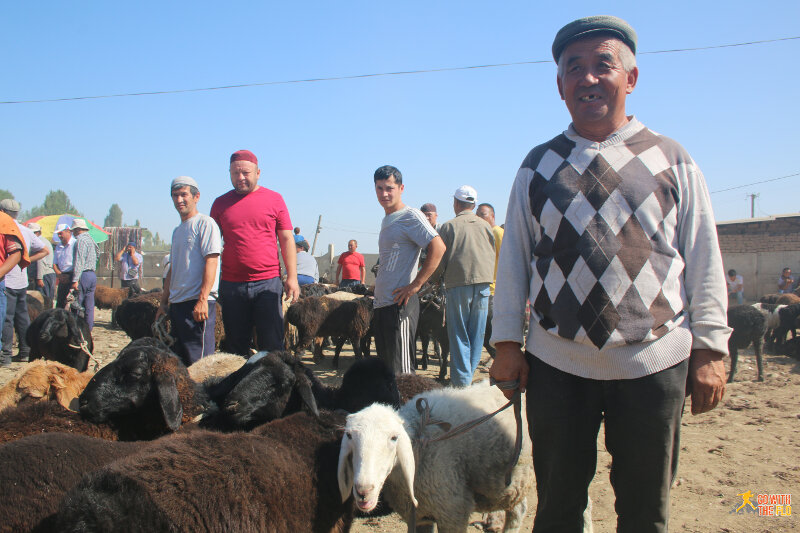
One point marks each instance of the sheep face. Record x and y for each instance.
(264, 393)
(374, 442)
(140, 377)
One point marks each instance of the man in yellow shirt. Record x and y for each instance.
(486, 212)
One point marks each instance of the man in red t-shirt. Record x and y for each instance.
(351, 270)
(252, 220)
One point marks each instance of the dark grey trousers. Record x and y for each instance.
(642, 420)
(395, 330)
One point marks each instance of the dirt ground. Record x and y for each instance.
(749, 443)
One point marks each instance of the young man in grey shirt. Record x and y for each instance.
(404, 232)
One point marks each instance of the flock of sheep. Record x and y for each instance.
(228, 444)
(764, 325)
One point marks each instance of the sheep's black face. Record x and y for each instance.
(366, 382)
(262, 395)
(121, 387)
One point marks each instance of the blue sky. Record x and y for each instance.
(734, 109)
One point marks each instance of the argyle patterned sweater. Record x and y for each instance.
(615, 246)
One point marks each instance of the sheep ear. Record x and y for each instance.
(405, 456)
(345, 469)
(168, 399)
(304, 387)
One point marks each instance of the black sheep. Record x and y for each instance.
(431, 327)
(38, 470)
(59, 335)
(281, 478)
(136, 315)
(314, 289)
(316, 318)
(788, 323)
(144, 393)
(749, 326)
(269, 386)
(277, 384)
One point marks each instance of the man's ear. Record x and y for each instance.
(633, 77)
(560, 88)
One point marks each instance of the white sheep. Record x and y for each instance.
(454, 477)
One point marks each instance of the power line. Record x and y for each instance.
(755, 183)
(372, 75)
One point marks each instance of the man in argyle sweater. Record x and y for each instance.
(611, 239)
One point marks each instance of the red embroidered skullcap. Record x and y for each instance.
(244, 155)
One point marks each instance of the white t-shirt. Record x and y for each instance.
(737, 282)
(192, 241)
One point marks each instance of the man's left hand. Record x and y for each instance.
(75, 285)
(200, 311)
(39, 283)
(706, 380)
(291, 289)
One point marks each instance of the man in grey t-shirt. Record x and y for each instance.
(190, 288)
(404, 232)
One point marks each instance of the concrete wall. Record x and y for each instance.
(761, 270)
(759, 249)
(329, 262)
(153, 269)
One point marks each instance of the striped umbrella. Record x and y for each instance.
(49, 223)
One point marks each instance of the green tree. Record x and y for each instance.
(114, 217)
(5, 194)
(55, 203)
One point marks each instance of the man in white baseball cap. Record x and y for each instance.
(62, 262)
(467, 269)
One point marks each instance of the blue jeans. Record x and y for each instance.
(302, 279)
(86, 286)
(642, 419)
(250, 304)
(193, 340)
(349, 283)
(465, 316)
(16, 318)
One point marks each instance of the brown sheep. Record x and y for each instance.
(42, 380)
(39, 469)
(108, 298)
(47, 417)
(316, 318)
(780, 299)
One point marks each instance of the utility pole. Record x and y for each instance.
(753, 197)
(316, 233)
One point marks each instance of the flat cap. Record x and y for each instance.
(183, 181)
(9, 204)
(588, 26)
(34, 227)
